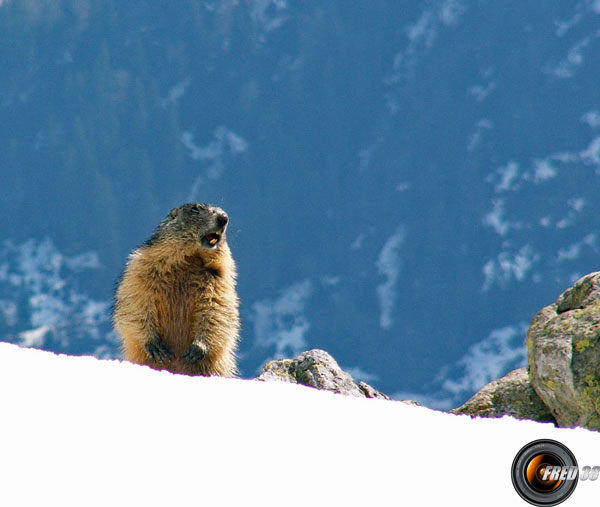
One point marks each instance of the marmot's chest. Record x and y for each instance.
(181, 300)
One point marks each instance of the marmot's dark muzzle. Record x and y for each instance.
(222, 220)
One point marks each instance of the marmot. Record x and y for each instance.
(176, 305)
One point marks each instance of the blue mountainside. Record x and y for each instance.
(407, 182)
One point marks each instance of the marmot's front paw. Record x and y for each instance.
(195, 353)
(158, 351)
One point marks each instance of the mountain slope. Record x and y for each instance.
(408, 183)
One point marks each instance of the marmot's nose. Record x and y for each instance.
(222, 220)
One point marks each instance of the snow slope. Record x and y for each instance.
(83, 431)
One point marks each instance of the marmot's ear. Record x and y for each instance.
(174, 212)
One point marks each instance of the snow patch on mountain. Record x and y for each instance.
(482, 91)
(177, 91)
(421, 36)
(501, 351)
(215, 156)
(509, 265)
(543, 170)
(280, 323)
(575, 205)
(591, 155)
(505, 178)
(488, 360)
(496, 218)
(41, 304)
(267, 15)
(567, 176)
(388, 266)
(480, 130)
(592, 118)
(567, 66)
(562, 27)
(574, 250)
(360, 374)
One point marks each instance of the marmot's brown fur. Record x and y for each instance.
(176, 305)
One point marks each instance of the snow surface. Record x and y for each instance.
(84, 431)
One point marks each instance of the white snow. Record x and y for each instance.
(496, 220)
(543, 170)
(176, 92)
(388, 265)
(591, 155)
(280, 322)
(46, 282)
(562, 27)
(216, 155)
(330, 280)
(509, 266)
(592, 118)
(422, 30)
(501, 351)
(34, 337)
(505, 177)
(213, 152)
(574, 250)
(268, 15)
(81, 431)
(569, 253)
(475, 138)
(567, 67)
(576, 205)
(451, 11)
(8, 312)
(480, 93)
(358, 374)
(421, 36)
(486, 360)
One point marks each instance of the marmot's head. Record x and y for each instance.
(193, 223)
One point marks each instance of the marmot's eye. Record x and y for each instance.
(195, 209)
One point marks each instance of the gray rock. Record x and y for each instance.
(563, 348)
(511, 395)
(316, 368)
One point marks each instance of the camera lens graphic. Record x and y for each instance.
(537, 468)
(533, 478)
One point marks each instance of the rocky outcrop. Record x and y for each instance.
(563, 348)
(561, 383)
(316, 368)
(511, 395)
(562, 379)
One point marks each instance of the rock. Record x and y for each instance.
(563, 348)
(316, 368)
(511, 395)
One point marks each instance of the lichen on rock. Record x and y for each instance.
(563, 344)
(511, 395)
(316, 368)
